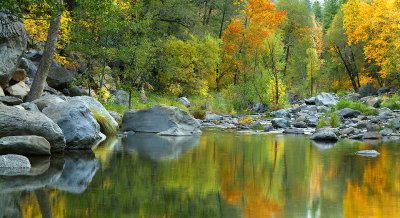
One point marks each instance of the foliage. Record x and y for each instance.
(393, 103)
(106, 125)
(334, 120)
(246, 120)
(355, 105)
(322, 122)
(199, 110)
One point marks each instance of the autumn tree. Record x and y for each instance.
(375, 25)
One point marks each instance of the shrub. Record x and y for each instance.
(341, 93)
(321, 123)
(198, 110)
(334, 121)
(393, 103)
(355, 105)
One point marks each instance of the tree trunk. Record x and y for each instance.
(102, 79)
(130, 99)
(45, 63)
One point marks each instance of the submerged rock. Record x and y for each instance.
(21, 122)
(161, 119)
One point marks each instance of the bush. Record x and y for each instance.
(198, 110)
(322, 122)
(355, 105)
(334, 121)
(393, 103)
(341, 93)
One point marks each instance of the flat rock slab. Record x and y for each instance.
(24, 145)
(368, 153)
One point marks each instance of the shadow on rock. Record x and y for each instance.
(159, 147)
(78, 172)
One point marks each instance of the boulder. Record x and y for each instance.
(160, 119)
(77, 123)
(386, 132)
(352, 97)
(120, 97)
(1, 92)
(385, 111)
(17, 90)
(383, 90)
(211, 117)
(395, 123)
(117, 117)
(293, 131)
(12, 45)
(34, 55)
(282, 113)
(24, 145)
(29, 67)
(21, 122)
(60, 77)
(310, 101)
(349, 113)
(184, 101)
(30, 106)
(368, 153)
(95, 106)
(280, 123)
(46, 100)
(326, 99)
(10, 100)
(19, 75)
(324, 135)
(300, 124)
(268, 128)
(372, 102)
(372, 135)
(312, 121)
(259, 108)
(77, 91)
(367, 90)
(13, 164)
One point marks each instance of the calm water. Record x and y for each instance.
(220, 174)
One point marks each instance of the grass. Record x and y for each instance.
(393, 103)
(106, 125)
(334, 120)
(355, 105)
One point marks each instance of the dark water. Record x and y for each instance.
(220, 174)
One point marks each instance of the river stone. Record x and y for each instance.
(282, 113)
(211, 117)
(310, 101)
(367, 90)
(95, 106)
(372, 135)
(13, 164)
(120, 97)
(395, 123)
(372, 101)
(386, 132)
(280, 123)
(17, 91)
(46, 100)
(293, 131)
(326, 99)
(19, 75)
(117, 117)
(77, 122)
(348, 113)
(12, 45)
(160, 119)
(324, 135)
(21, 122)
(10, 100)
(1, 92)
(24, 145)
(60, 77)
(77, 91)
(30, 106)
(184, 101)
(312, 121)
(368, 153)
(34, 55)
(383, 90)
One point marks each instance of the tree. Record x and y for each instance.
(317, 10)
(375, 24)
(331, 7)
(44, 66)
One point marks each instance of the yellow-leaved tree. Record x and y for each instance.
(376, 24)
(36, 31)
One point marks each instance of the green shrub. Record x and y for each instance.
(322, 122)
(198, 110)
(341, 93)
(355, 105)
(335, 120)
(393, 103)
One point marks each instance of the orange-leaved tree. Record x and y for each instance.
(376, 24)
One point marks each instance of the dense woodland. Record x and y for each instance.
(248, 51)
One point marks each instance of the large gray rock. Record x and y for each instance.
(29, 66)
(386, 132)
(13, 164)
(77, 91)
(395, 123)
(324, 135)
(372, 135)
(24, 145)
(280, 123)
(367, 90)
(46, 100)
(310, 101)
(77, 122)
(17, 91)
(348, 113)
(120, 97)
(12, 45)
(282, 113)
(326, 99)
(60, 77)
(184, 101)
(21, 122)
(293, 131)
(161, 119)
(34, 55)
(95, 106)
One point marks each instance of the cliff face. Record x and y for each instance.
(12, 45)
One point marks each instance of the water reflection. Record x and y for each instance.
(159, 147)
(225, 175)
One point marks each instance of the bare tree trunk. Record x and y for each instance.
(102, 79)
(45, 62)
